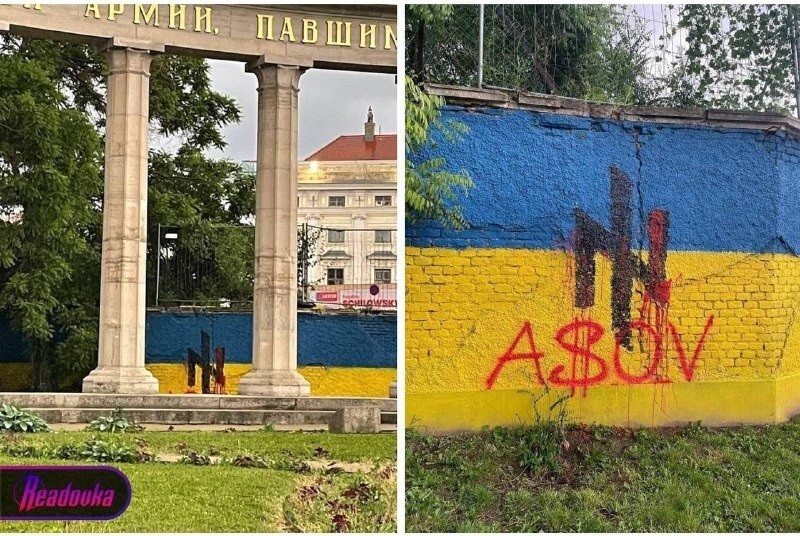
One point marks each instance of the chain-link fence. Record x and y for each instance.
(727, 56)
(211, 266)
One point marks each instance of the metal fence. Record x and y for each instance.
(348, 268)
(211, 266)
(205, 266)
(637, 54)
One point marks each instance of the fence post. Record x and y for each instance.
(158, 263)
(480, 47)
(304, 261)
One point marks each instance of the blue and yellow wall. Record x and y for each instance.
(491, 315)
(340, 355)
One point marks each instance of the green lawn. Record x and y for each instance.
(175, 497)
(606, 479)
(294, 445)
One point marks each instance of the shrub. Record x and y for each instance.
(15, 419)
(107, 451)
(114, 423)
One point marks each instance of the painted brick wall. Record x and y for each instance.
(326, 340)
(340, 355)
(495, 312)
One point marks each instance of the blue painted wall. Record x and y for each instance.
(330, 340)
(787, 152)
(12, 344)
(719, 185)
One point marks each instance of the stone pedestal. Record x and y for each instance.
(274, 370)
(120, 361)
(356, 420)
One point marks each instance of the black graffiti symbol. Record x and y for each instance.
(592, 238)
(203, 360)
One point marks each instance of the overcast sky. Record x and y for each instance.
(331, 103)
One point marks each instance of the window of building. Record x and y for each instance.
(383, 200)
(335, 200)
(383, 275)
(383, 237)
(335, 236)
(336, 276)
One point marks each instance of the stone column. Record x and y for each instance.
(120, 361)
(274, 370)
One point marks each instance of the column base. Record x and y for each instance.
(120, 380)
(393, 390)
(277, 383)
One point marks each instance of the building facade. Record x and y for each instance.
(347, 219)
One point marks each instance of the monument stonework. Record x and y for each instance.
(277, 44)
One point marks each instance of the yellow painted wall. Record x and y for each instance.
(14, 376)
(334, 381)
(464, 309)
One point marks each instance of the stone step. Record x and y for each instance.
(200, 416)
(189, 402)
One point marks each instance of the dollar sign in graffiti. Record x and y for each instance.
(577, 338)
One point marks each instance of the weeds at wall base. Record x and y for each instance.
(678, 479)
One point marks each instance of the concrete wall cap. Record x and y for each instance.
(539, 102)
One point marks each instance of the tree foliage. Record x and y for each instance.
(431, 190)
(731, 56)
(52, 116)
(738, 56)
(583, 51)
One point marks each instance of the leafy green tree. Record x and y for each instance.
(582, 51)
(431, 190)
(50, 185)
(578, 51)
(52, 111)
(738, 56)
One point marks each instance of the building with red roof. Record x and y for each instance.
(347, 197)
(355, 148)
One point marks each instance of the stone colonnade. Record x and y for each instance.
(121, 352)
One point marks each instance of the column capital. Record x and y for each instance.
(129, 59)
(138, 45)
(266, 61)
(276, 75)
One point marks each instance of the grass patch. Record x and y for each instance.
(240, 495)
(294, 445)
(364, 503)
(690, 479)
